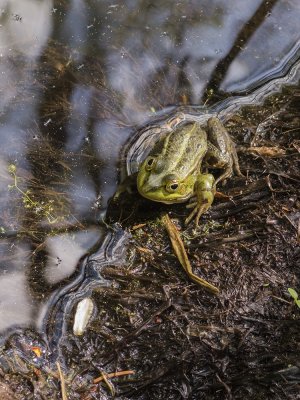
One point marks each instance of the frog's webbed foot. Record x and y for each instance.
(205, 191)
(198, 211)
(118, 193)
(226, 174)
(231, 166)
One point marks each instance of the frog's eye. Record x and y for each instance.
(172, 186)
(149, 163)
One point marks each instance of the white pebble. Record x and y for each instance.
(83, 314)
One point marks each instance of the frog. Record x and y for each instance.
(176, 169)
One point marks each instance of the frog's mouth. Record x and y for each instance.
(161, 195)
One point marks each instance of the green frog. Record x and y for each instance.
(172, 172)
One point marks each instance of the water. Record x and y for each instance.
(76, 79)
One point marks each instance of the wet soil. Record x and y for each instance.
(244, 343)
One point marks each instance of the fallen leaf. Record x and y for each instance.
(266, 151)
(138, 226)
(181, 254)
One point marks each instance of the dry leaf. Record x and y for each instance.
(267, 151)
(181, 254)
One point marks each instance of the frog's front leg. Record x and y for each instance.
(205, 190)
(221, 152)
(127, 185)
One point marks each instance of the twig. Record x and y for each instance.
(280, 299)
(232, 239)
(227, 388)
(62, 382)
(108, 384)
(112, 375)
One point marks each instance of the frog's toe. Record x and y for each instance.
(235, 162)
(226, 174)
(116, 197)
(237, 170)
(201, 211)
(197, 211)
(191, 216)
(191, 205)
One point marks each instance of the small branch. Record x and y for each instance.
(112, 375)
(108, 384)
(62, 382)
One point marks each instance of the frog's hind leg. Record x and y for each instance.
(235, 160)
(218, 135)
(215, 158)
(221, 151)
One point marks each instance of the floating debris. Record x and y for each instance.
(83, 314)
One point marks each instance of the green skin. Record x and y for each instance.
(172, 171)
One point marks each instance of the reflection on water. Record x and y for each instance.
(26, 286)
(21, 43)
(76, 78)
(64, 252)
(16, 305)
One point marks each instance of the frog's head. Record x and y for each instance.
(156, 184)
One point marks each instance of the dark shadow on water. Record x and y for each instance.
(240, 43)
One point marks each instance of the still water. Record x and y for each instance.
(76, 79)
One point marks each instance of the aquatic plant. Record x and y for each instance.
(40, 208)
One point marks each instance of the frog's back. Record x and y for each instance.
(181, 151)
